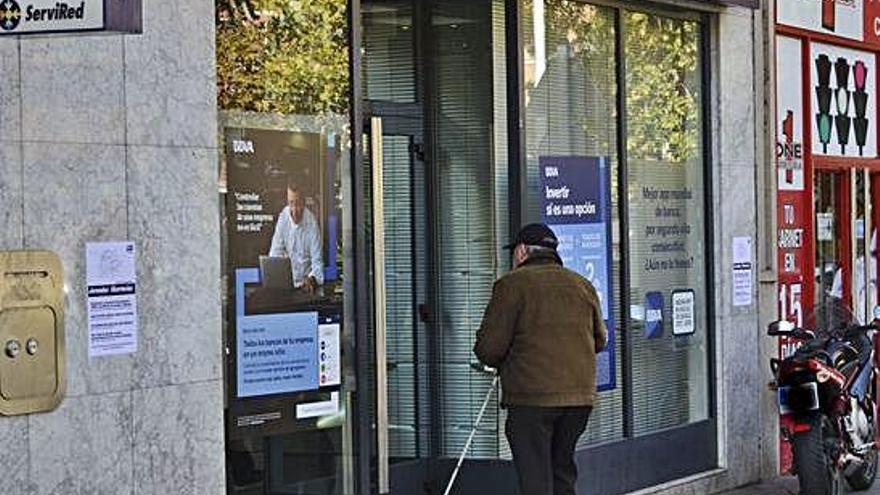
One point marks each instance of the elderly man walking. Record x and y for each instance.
(542, 330)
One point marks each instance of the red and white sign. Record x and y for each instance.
(789, 115)
(793, 196)
(844, 18)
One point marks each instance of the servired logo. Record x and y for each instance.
(10, 15)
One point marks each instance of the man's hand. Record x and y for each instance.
(311, 284)
(482, 368)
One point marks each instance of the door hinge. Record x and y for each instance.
(418, 150)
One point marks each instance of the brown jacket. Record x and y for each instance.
(542, 329)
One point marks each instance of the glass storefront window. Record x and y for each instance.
(666, 218)
(843, 203)
(571, 97)
(284, 183)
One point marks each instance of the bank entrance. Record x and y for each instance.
(362, 239)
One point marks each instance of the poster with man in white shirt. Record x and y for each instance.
(298, 237)
(283, 270)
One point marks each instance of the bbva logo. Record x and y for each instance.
(243, 146)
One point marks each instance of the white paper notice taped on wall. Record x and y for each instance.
(742, 271)
(111, 298)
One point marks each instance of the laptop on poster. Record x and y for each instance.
(275, 272)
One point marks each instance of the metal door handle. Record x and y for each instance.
(380, 305)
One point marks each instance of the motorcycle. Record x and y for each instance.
(826, 391)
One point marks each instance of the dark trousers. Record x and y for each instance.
(543, 440)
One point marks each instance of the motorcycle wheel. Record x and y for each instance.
(863, 477)
(817, 475)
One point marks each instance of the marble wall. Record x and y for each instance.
(114, 137)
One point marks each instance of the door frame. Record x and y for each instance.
(364, 444)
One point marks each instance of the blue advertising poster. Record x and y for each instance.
(653, 315)
(277, 353)
(576, 204)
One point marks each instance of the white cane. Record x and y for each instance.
(470, 439)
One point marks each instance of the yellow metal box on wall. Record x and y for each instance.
(31, 332)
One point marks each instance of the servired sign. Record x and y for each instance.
(22, 17)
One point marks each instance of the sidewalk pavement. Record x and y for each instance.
(780, 486)
(787, 486)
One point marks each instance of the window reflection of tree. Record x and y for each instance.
(666, 54)
(281, 56)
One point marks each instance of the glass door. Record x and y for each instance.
(399, 277)
(831, 227)
(407, 368)
(438, 218)
(845, 237)
(436, 192)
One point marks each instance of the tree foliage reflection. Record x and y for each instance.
(282, 56)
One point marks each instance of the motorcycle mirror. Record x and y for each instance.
(877, 312)
(782, 327)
